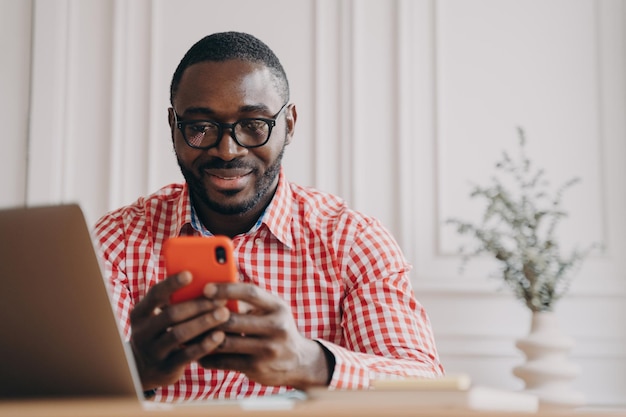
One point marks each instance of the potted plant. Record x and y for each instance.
(518, 229)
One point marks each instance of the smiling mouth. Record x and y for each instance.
(228, 174)
(227, 178)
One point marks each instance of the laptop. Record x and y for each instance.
(60, 336)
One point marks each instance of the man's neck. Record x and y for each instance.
(229, 225)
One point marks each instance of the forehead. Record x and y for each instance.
(216, 84)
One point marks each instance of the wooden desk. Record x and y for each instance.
(308, 408)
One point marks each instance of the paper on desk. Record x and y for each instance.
(452, 392)
(285, 401)
(460, 382)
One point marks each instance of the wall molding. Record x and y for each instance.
(333, 97)
(131, 78)
(46, 182)
(610, 288)
(499, 346)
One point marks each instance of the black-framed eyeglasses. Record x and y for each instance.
(247, 133)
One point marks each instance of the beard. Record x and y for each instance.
(262, 185)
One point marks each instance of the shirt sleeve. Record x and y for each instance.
(387, 333)
(111, 242)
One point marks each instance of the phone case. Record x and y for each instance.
(209, 259)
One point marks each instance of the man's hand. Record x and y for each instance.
(265, 344)
(166, 337)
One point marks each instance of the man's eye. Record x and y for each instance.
(202, 127)
(252, 125)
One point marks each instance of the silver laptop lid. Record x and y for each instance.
(59, 334)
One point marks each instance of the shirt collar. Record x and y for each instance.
(278, 214)
(183, 211)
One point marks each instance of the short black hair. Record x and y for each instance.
(225, 46)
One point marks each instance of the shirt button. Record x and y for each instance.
(258, 241)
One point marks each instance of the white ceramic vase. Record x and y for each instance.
(547, 372)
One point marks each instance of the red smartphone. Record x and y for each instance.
(209, 259)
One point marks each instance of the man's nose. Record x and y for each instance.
(227, 147)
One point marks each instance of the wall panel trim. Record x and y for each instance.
(49, 94)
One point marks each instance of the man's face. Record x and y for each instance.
(228, 178)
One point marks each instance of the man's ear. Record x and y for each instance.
(291, 116)
(172, 121)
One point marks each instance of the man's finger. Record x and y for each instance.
(259, 325)
(248, 345)
(184, 333)
(249, 293)
(233, 362)
(159, 295)
(203, 347)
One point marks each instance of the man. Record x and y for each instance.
(329, 290)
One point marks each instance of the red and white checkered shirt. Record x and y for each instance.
(341, 272)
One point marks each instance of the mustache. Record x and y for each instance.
(221, 164)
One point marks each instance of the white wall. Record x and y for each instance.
(401, 104)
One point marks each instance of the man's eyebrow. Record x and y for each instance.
(248, 108)
(254, 108)
(199, 111)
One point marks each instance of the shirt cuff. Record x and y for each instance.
(346, 374)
